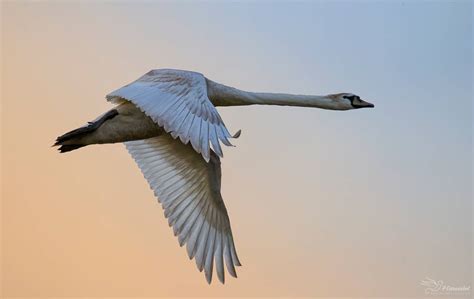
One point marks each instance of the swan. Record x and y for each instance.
(168, 121)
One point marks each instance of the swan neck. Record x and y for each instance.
(222, 95)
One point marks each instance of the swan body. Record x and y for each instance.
(170, 126)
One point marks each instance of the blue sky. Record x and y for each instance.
(376, 198)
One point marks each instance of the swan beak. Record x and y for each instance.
(363, 104)
(369, 105)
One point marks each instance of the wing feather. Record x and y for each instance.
(196, 136)
(204, 138)
(189, 190)
(228, 257)
(170, 98)
(208, 264)
(202, 246)
(218, 255)
(195, 230)
(215, 141)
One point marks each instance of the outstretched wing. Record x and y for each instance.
(178, 102)
(189, 190)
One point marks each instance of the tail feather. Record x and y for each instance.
(69, 147)
(74, 134)
(71, 140)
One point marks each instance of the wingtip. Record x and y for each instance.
(237, 134)
(208, 279)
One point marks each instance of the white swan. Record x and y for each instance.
(185, 174)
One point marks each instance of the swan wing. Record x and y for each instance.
(188, 189)
(178, 101)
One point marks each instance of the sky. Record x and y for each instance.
(322, 203)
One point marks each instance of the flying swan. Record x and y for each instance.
(168, 122)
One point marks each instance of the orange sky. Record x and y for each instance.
(321, 203)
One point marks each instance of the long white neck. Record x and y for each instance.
(222, 95)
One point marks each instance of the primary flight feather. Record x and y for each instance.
(170, 126)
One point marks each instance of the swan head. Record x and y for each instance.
(347, 101)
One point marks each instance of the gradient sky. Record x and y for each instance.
(322, 203)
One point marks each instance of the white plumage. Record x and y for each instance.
(189, 190)
(178, 102)
(169, 124)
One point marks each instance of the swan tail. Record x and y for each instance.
(69, 147)
(78, 138)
